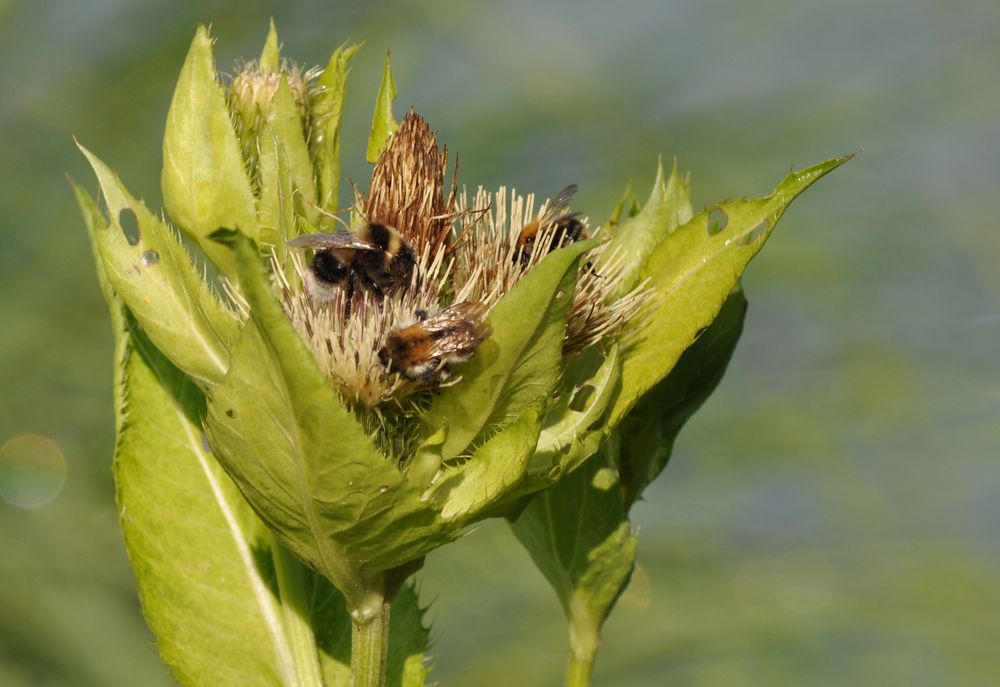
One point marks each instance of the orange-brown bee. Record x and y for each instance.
(423, 350)
(376, 259)
(567, 228)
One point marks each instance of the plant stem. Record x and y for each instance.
(370, 639)
(295, 616)
(579, 669)
(584, 640)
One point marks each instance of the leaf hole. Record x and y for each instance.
(581, 398)
(756, 233)
(129, 224)
(230, 412)
(717, 221)
(150, 258)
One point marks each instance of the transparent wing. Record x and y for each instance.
(467, 312)
(557, 206)
(462, 327)
(340, 239)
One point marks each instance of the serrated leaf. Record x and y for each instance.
(95, 221)
(384, 125)
(161, 287)
(493, 470)
(578, 534)
(327, 106)
(647, 432)
(301, 458)
(204, 179)
(409, 641)
(270, 55)
(691, 273)
(283, 118)
(519, 363)
(200, 555)
(668, 207)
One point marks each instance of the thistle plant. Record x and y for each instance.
(358, 386)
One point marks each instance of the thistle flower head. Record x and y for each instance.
(463, 253)
(449, 356)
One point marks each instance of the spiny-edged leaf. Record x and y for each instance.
(495, 468)
(586, 388)
(285, 124)
(519, 363)
(647, 433)
(95, 221)
(161, 287)
(384, 125)
(327, 106)
(276, 207)
(668, 207)
(204, 180)
(409, 637)
(691, 273)
(270, 56)
(409, 641)
(302, 459)
(201, 557)
(578, 534)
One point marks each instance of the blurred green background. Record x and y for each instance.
(831, 517)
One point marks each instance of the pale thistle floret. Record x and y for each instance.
(489, 263)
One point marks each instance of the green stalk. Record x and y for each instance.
(295, 617)
(579, 670)
(584, 640)
(370, 639)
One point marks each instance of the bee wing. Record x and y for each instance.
(470, 312)
(340, 239)
(557, 206)
(462, 326)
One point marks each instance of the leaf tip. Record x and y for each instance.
(270, 56)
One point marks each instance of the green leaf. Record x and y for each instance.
(285, 122)
(691, 273)
(578, 534)
(493, 470)
(277, 208)
(409, 641)
(200, 555)
(301, 458)
(647, 433)
(586, 388)
(519, 363)
(95, 221)
(384, 125)
(327, 106)
(668, 207)
(270, 56)
(204, 179)
(162, 288)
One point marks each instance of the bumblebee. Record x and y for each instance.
(567, 228)
(424, 350)
(376, 260)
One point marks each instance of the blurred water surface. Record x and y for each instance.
(831, 517)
